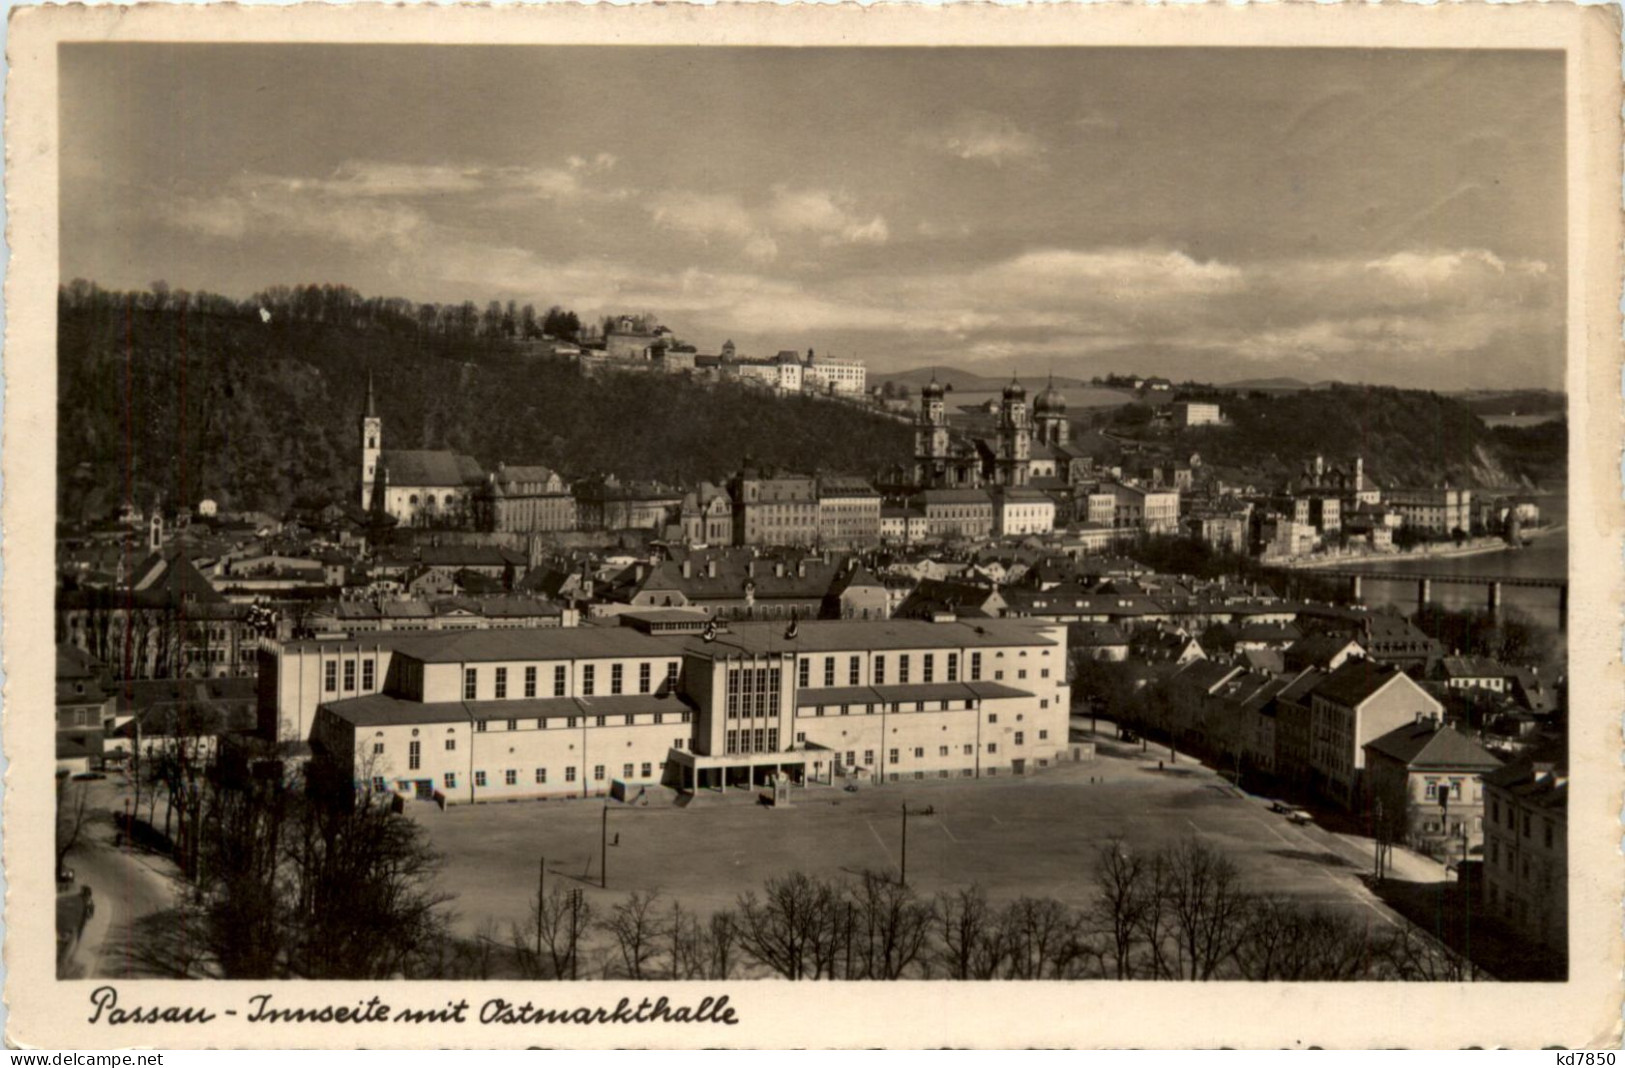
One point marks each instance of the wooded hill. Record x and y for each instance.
(256, 403)
(1407, 437)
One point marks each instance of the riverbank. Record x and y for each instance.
(1472, 547)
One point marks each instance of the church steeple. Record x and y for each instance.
(372, 446)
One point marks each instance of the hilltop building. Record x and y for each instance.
(1189, 414)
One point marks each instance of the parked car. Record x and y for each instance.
(1280, 806)
(64, 878)
(1300, 816)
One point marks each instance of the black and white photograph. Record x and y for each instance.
(564, 516)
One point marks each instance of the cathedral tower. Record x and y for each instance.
(1049, 412)
(931, 438)
(1015, 443)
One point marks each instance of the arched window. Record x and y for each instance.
(412, 499)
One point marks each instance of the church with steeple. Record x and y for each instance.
(413, 486)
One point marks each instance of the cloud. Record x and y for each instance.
(255, 207)
(706, 214)
(988, 138)
(369, 204)
(786, 213)
(1438, 268)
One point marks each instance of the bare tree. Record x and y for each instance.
(1207, 906)
(1124, 892)
(72, 816)
(971, 941)
(794, 928)
(891, 925)
(1408, 954)
(558, 922)
(1286, 941)
(1040, 938)
(635, 926)
(721, 944)
(686, 937)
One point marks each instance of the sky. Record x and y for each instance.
(1219, 214)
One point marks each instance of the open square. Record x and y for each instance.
(1035, 835)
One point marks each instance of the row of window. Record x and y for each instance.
(894, 755)
(589, 680)
(510, 776)
(752, 692)
(759, 740)
(1528, 822)
(414, 749)
(330, 675)
(572, 722)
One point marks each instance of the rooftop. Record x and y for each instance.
(1427, 744)
(818, 636)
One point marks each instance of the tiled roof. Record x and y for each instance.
(430, 467)
(1471, 667)
(1094, 634)
(816, 636)
(1430, 745)
(1357, 681)
(547, 643)
(1542, 785)
(1318, 649)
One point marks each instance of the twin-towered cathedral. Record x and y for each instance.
(942, 462)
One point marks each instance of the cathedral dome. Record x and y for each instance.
(1014, 391)
(932, 389)
(1050, 401)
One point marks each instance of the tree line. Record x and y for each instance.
(332, 305)
(1177, 913)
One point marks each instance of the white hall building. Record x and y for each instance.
(581, 712)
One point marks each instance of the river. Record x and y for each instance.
(1547, 556)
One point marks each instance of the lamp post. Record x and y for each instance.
(903, 864)
(603, 850)
(1376, 839)
(575, 924)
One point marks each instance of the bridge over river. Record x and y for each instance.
(1425, 581)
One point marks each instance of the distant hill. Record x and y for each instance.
(966, 382)
(219, 402)
(1513, 401)
(1275, 384)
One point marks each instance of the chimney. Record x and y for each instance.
(637, 572)
(688, 569)
(778, 568)
(711, 568)
(750, 568)
(801, 569)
